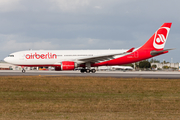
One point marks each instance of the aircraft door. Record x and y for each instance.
(21, 57)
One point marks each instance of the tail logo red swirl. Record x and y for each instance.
(160, 38)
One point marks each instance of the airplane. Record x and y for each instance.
(122, 67)
(85, 59)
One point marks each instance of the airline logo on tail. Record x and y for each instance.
(160, 37)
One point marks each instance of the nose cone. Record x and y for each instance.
(6, 59)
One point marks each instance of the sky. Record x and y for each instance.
(86, 25)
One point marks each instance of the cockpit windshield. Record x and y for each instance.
(10, 55)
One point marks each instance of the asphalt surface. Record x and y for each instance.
(119, 74)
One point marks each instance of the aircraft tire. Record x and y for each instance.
(82, 70)
(88, 70)
(93, 70)
(23, 71)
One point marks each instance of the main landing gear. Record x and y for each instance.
(88, 70)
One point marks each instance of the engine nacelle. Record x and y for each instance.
(68, 65)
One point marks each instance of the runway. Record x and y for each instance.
(118, 74)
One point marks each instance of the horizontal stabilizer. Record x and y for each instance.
(153, 53)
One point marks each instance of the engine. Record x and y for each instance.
(68, 65)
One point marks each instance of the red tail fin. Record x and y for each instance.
(158, 40)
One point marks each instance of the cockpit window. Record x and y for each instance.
(10, 55)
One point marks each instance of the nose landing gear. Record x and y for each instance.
(23, 70)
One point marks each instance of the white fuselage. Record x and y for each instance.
(52, 57)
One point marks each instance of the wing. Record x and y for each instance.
(103, 57)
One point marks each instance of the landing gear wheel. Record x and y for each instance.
(23, 70)
(93, 70)
(88, 70)
(82, 70)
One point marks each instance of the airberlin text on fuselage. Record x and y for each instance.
(41, 56)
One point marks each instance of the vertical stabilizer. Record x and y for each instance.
(158, 40)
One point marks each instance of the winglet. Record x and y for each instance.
(130, 50)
